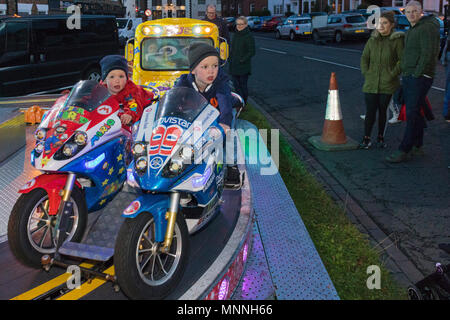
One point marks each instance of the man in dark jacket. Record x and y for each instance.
(211, 16)
(418, 69)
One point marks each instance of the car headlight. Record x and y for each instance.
(40, 134)
(80, 138)
(69, 149)
(139, 149)
(141, 163)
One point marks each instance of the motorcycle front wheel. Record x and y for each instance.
(143, 272)
(31, 230)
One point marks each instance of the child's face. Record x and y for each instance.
(115, 81)
(206, 71)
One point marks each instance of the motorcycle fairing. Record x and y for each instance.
(52, 183)
(106, 168)
(157, 205)
(181, 133)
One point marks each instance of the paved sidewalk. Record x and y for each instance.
(404, 208)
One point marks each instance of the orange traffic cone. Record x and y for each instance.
(333, 135)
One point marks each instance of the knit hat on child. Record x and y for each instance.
(113, 62)
(199, 51)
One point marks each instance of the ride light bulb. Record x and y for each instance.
(141, 163)
(197, 30)
(69, 149)
(40, 134)
(223, 290)
(146, 31)
(175, 165)
(138, 149)
(80, 138)
(39, 148)
(207, 29)
(157, 30)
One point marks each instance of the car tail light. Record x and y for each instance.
(348, 26)
(296, 28)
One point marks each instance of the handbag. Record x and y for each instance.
(425, 111)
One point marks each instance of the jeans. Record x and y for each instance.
(447, 94)
(240, 85)
(414, 93)
(376, 102)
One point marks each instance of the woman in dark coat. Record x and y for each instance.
(242, 51)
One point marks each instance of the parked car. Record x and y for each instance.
(397, 11)
(401, 23)
(253, 22)
(341, 27)
(294, 28)
(314, 14)
(362, 12)
(231, 23)
(272, 24)
(39, 53)
(258, 27)
(126, 28)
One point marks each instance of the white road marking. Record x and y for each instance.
(271, 50)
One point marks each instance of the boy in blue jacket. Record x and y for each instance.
(209, 80)
(212, 82)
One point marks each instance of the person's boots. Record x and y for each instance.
(395, 112)
(397, 157)
(365, 143)
(380, 142)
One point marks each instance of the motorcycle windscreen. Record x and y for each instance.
(85, 97)
(176, 112)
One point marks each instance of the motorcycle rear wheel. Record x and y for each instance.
(143, 272)
(31, 229)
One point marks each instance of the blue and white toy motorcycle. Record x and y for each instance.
(178, 168)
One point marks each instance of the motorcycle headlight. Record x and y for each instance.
(39, 148)
(141, 163)
(175, 166)
(69, 149)
(80, 138)
(40, 134)
(139, 149)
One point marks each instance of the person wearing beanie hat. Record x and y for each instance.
(133, 98)
(209, 80)
(199, 51)
(113, 62)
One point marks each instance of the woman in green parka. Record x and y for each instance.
(242, 51)
(380, 66)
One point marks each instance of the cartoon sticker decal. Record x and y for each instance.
(104, 110)
(102, 130)
(74, 114)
